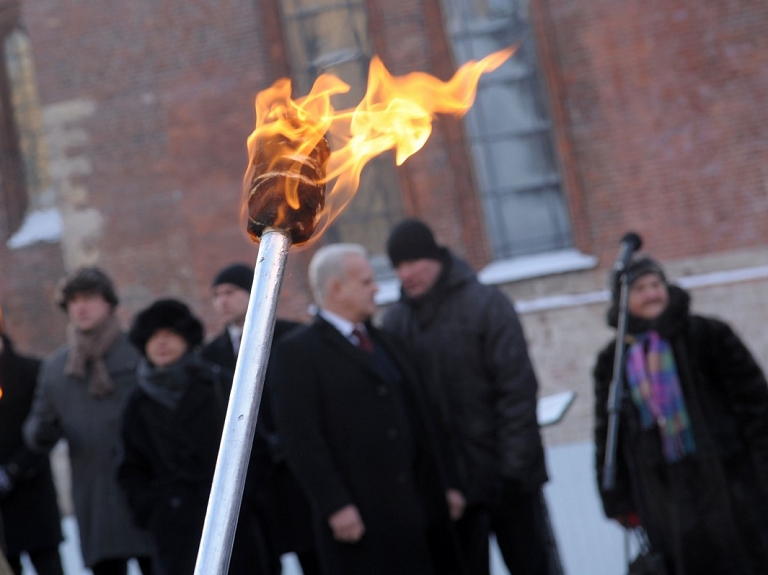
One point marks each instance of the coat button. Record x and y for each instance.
(402, 478)
(382, 390)
(393, 433)
(175, 502)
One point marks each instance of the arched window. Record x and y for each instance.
(23, 159)
(332, 36)
(509, 130)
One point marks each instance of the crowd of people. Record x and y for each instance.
(395, 448)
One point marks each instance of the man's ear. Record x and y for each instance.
(334, 287)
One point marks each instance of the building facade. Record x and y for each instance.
(123, 129)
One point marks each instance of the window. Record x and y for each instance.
(509, 130)
(23, 166)
(332, 36)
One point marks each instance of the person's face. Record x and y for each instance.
(648, 297)
(231, 303)
(418, 276)
(165, 348)
(87, 311)
(354, 294)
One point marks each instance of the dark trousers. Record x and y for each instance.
(520, 522)
(473, 530)
(523, 532)
(120, 566)
(310, 564)
(45, 561)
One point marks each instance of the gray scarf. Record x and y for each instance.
(88, 349)
(165, 385)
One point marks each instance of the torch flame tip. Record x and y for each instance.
(396, 113)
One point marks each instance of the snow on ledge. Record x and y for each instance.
(38, 226)
(389, 291)
(559, 262)
(603, 296)
(514, 269)
(526, 267)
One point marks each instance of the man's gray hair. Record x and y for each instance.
(329, 262)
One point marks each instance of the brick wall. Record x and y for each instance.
(28, 279)
(664, 110)
(150, 188)
(659, 113)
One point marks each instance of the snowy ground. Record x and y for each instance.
(588, 544)
(73, 564)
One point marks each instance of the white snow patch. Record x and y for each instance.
(525, 267)
(513, 269)
(38, 226)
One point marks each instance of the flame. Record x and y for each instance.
(396, 113)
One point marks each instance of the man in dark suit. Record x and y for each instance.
(231, 291)
(357, 435)
(282, 507)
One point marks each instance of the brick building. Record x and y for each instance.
(123, 129)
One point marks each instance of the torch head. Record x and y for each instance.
(287, 188)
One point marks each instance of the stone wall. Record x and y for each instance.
(564, 341)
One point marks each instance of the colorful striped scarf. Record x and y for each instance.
(655, 390)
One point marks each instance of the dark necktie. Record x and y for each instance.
(363, 340)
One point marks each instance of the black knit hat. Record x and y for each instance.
(237, 274)
(412, 239)
(165, 314)
(638, 266)
(87, 280)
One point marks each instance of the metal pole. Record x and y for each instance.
(240, 424)
(616, 389)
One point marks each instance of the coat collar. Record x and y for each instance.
(195, 398)
(334, 338)
(223, 343)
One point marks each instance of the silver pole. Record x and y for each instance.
(240, 424)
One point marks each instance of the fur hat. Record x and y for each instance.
(165, 314)
(237, 274)
(412, 239)
(638, 266)
(87, 280)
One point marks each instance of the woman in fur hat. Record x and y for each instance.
(172, 427)
(692, 455)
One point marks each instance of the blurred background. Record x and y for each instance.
(122, 145)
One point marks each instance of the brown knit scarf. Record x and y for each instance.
(87, 349)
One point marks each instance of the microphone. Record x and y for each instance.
(630, 243)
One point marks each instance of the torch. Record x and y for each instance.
(280, 172)
(285, 202)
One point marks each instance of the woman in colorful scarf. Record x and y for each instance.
(692, 449)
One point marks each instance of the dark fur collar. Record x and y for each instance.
(668, 324)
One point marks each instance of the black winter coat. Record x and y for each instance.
(283, 508)
(29, 513)
(709, 512)
(167, 471)
(481, 375)
(351, 437)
